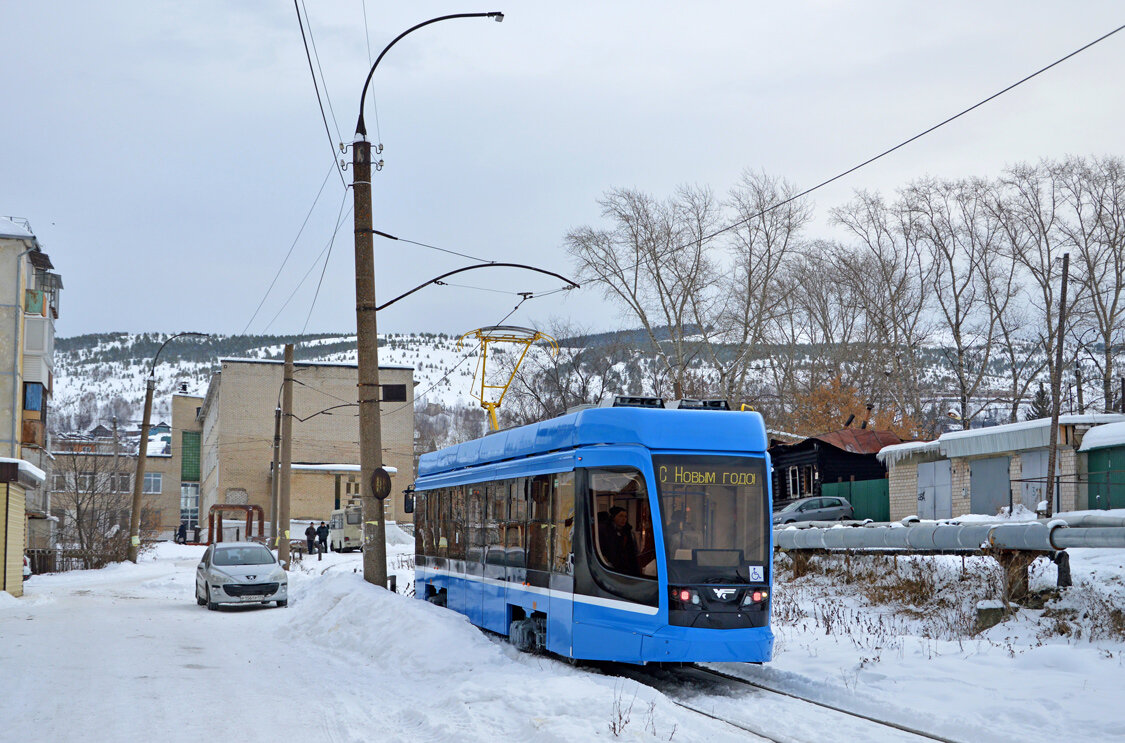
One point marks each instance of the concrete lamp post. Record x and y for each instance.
(370, 435)
(142, 452)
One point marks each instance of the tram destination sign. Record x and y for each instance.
(699, 473)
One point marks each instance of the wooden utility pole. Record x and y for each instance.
(1078, 387)
(275, 480)
(113, 481)
(286, 463)
(1056, 393)
(139, 477)
(367, 344)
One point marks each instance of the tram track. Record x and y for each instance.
(679, 683)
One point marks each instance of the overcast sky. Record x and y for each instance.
(166, 153)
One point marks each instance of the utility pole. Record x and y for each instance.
(1078, 386)
(275, 481)
(367, 344)
(286, 463)
(139, 477)
(1056, 393)
(113, 481)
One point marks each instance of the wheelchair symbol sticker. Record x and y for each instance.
(757, 573)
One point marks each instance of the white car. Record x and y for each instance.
(26, 567)
(240, 573)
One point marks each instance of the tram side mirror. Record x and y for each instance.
(408, 504)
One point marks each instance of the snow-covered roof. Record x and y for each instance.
(337, 468)
(1020, 436)
(1099, 437)
(8, 228)
(26, 468)
(891, 455)
(1014, 436)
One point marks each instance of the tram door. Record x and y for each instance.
(560, 616)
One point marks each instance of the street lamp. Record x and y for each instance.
(142, 452)
(367, 335)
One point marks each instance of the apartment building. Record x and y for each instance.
(29, 306)
(102, 464)
(237, 418)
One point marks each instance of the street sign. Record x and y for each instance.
(380, 484)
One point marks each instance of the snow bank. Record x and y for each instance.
(453, 682)
(396, 536)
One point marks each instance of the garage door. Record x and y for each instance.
(935, 490)
(990, 486)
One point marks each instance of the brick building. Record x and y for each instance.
(29, 306)
(985, 469)
(237, 418)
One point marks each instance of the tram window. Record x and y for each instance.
(420, 523)
(476, 504)
(518, 500)
(715, 519)
(457, 521)
(494, 545)
(442, 523)
(622, 528)
(498, 500)
(539, 501)
(562, 557)
(513, 546)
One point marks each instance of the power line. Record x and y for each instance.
(316, 87)
(295, 239)
(432, 247)
(323, 80)
(313, 266)
(886, 152)
(374, 100)
(458, 365)
(324, 268)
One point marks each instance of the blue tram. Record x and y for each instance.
(620, 534)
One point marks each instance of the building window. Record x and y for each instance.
(394, 392)
(85, 482)
(33, 397)
(58, 482)
(124, 483)
(189, 451)
(154, 483)
(189, 503)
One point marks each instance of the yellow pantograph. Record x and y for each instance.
(500, 334)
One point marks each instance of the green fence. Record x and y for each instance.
(870, 499)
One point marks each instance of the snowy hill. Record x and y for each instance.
(99, 376)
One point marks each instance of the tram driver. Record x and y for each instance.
(617, 542)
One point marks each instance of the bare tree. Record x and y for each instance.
(886, 272)
(1094, 194)
(1028, 204)
(952, 221)
(548, 384)
(92, 501)
(1023, 359)
(653, 261)
(752, 293)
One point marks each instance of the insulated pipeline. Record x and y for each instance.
(1034, 536)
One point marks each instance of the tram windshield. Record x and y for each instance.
(713, 509)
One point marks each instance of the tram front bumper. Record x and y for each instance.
(690, 645)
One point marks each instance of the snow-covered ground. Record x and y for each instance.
(125, 653)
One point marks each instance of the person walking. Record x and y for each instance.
(181, 533)
(310, 537)
(322, 536)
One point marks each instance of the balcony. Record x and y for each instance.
(34, 433)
